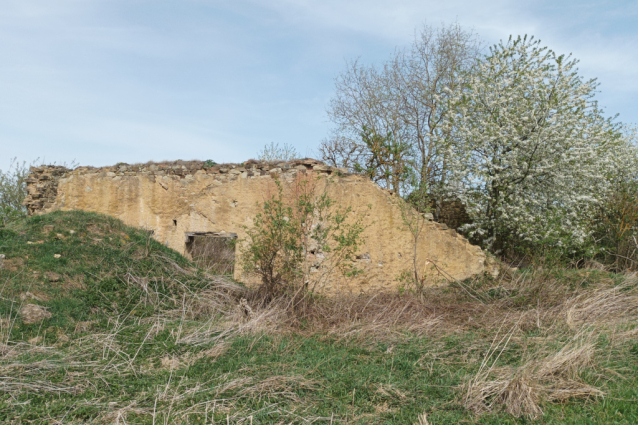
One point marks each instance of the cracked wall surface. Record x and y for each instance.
(173, 199)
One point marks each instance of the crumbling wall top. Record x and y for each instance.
(42, 182)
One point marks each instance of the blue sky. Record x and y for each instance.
(107, 81)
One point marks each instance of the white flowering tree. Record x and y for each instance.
(532, 151)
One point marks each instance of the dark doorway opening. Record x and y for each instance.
(212, 251)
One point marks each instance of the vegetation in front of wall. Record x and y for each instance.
(299, 238)
(415, 213)
(102, 324)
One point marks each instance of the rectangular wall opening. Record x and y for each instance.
(212, 251)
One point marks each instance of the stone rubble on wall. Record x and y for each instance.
(42, 182)
(451, 212)
(42, 187)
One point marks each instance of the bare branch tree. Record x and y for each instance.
(275, 152)
(404, 101)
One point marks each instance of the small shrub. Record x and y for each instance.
(13, 190)
(298, 239)
(413, 210)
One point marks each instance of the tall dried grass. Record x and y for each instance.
(579, 318)
(519, 390)
(422, 419)
(382, 316)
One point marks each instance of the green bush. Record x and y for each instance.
(298, 239)
(13, 189)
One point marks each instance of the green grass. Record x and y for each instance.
(332, 379)
(83, 266)
(112, 352)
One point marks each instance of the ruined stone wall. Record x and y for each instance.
(451, 212)
(178, 198)
(42, 187)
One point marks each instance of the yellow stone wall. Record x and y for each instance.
(174, 200)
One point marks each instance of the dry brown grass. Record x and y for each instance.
(422, 419)
(275, 387)
(541, 377)
(603, 306)
(16, 374)
(530, 301)
(577, 317)
(239, 320)
(382, 316)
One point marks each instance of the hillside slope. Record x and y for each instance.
(101, 324)
(83, 266)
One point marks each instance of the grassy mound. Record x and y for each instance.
(80, 267)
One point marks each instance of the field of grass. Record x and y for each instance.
(99, 323)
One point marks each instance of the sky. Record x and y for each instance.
(97, 82)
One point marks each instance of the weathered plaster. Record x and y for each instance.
(174, 199)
